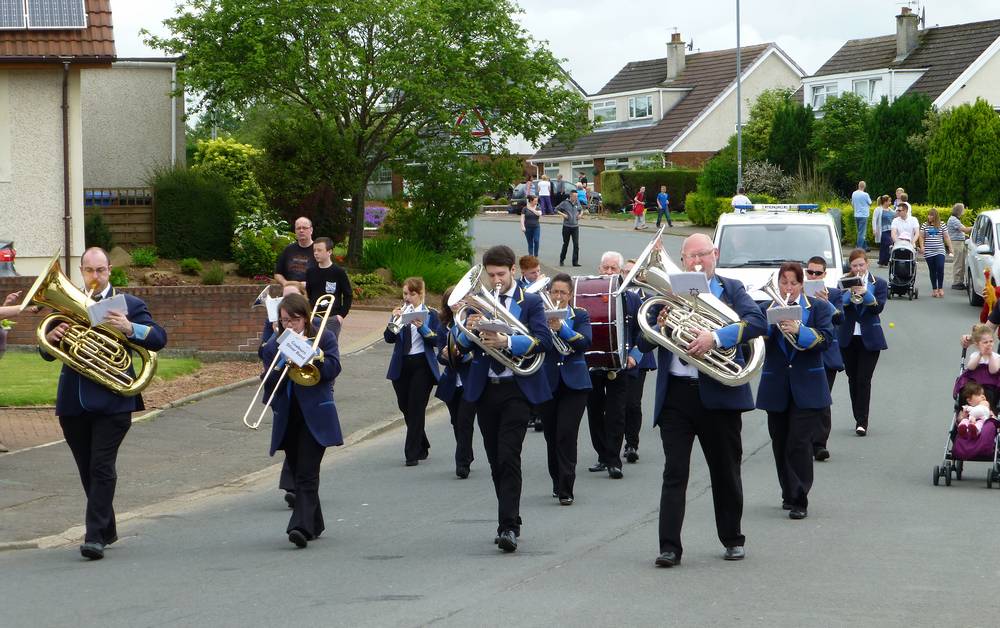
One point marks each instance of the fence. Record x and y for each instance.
(129, 213)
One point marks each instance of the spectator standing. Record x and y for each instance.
(862, 204)
(639, 208)
(297, 257)
(904, 226)
(560, 190)
(530, 187)
(581, 195)
(328, 278)
(530, 226)
(900, 194)
(583, 180)
(569, 209)
(932, 242)
(663, 207)
(545, 195)
(958, 232)
(740, 201)
(882, 228)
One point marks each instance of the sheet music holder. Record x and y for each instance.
(560, 313)
(99, 311)
(689, 284)
(784, 313)
(408, 317)
(851, 281)
(272, 304)
(812, 286)
(495, 326)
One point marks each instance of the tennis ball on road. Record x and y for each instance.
(892, 325)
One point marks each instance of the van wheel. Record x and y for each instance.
(975, 300)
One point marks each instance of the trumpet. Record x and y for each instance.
(771, 289)
(396, 322)
(540, 287)
(856, 298)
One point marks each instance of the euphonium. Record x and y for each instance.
(652, 271)
(102, 353)
(477, 300)
(540, 287)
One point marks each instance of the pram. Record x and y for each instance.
(903, 270)
(985, 448)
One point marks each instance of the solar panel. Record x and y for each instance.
(11, 13)
(56, 14)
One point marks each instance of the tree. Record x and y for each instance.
(890, 160)
(963, 157)
(718, 176)
(791, 134)
(839, 142)
(757, 132)
(388, 75)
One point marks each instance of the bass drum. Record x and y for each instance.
(607, 320)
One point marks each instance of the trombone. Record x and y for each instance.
(305, 375)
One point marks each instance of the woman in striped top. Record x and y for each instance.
(932, 242)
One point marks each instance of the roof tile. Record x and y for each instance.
(97, 41)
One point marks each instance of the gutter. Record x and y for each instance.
(67, 216)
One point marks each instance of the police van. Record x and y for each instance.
(755, 240)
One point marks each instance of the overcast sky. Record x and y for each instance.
(597, 37)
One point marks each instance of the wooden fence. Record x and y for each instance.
(129, 213)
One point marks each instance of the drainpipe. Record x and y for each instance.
(173, 115)
(67, 216)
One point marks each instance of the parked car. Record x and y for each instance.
(7, 255)
(517, 200)
(980, 254)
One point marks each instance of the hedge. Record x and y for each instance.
(850, 230)
(194, 214)
(704, 210)
(679, 182)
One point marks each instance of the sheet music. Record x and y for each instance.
(812, 286)
(689, 284)
(499, 327)
(408, 317)
(99, 311)
(272, 304)
(784, 313)
(560, 313)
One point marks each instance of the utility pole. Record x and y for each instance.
(739, 105)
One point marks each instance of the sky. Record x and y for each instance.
(595, 38)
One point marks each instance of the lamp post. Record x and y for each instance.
(739, 105)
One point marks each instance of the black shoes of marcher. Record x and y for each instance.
(577, 264)
(424, 455)
(562, 262)
(539, 425)
(565, 501)
(667, 559)
(735, 552)
(821, 454)
(298, 538)
(615, 473)
(597, 468)
(797, 512)
(412, 463)
(631, 455)
(92, 550)
(462, 472)
(290, 499)
(507, 541)
(786, 506)
(861, 430)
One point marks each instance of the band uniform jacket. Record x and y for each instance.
(448, 384)
(316, 402)
(401, 346)
(570, 369)
(715, 395)
(646, 360)
(867, 315)
(795, 371)
(528, 309)
(77, 394)
(832, 359)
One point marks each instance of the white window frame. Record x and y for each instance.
(616, 163)
(586, 163)
(633, 108)
(551, 168)
(826, 90)
(382, 174)
(605, 105)
(868, 87)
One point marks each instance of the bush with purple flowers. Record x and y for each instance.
(375, 216)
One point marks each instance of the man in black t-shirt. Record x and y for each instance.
(297, 257)
(325, 277)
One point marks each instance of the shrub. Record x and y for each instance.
(618, 187)
(97, 233)
(233, 161)
(144, 257)
(369, 285)
(214, 275)
(406, 259)
(375, 216)
(763, 177)
(612, 193)
(718, 176)
(190, 266)
(119, 277)
(963, 156)
(194, 214)
(254, 253)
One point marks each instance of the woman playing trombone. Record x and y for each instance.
(413, 367)
(305, 417)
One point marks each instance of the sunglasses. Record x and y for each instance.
(815, 273)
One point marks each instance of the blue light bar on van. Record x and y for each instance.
(777, 207)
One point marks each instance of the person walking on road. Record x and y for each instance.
(530, 226)
(861, 337)
(663, 207)
(932, 243)
(569, 209)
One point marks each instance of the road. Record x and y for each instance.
(413, 546)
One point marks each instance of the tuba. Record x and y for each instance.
(652, 271)
(540, 287)
(477, 300)
(102, 353)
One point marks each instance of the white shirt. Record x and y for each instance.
(510, 298)
(416, 340)
(544, 188)
(906, 228)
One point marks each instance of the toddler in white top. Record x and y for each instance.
(975, 411)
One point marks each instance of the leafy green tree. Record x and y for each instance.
(757, 132)
(791, 134)
(838, 141)
(389, 75)
(889, 160)
(963, 157)
(232, 161)
(718, 176)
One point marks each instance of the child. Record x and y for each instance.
(974, 412)
(663, 207)
(983, 354)
(639, 209)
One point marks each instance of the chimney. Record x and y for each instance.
(906, 33)
(675, 56)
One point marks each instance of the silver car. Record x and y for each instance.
(980, 254)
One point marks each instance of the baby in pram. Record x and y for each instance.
(978, 384)
(975, 411)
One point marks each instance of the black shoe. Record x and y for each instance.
(424, 455)
(597, 468)
(555, 494)
(565, 501)
(562, 262)
(797, 512)
(735, 552)
(631, 455)
(861, 430)
(298, 538)
(667, 559)
(290, 499)
(92, 550)
(786, 506)
(507, 541)
(539, 426)
(578, 265)
(821, 454)
(670, 224)
(615, 473)
(462, 472)
(412, 463)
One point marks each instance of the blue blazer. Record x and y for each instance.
(570, 369)
(77, 394)
(714, 395)
(795, 371)
(401, 346)
(529, 310)
(316, 402)
(644, 360)
(867, 314)
(832, 359)
(448, 384)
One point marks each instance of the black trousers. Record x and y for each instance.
(561, 417)
(791, 441)
(682, 418)
(463, 417)
(567, 234)
(633, 408)
(94, 440)
(503, 413)
(859, 363)
(304, 456)
(413, 391)
(826, 421)
(287, 480)
(606, 416)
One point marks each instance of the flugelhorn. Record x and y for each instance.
(772, 290)
(541, 288)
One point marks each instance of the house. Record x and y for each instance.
(951, 65)
(680, 109)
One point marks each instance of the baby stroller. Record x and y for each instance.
(985, 448)
(903, 270)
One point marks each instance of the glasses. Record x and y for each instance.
(288, 321)
(700, 255)
(814, 273)
(95, 271)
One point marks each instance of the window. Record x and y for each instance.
(605, 111)
(821, 92)
(640, 107)
(616, 163)
(382, 175)
(870, 90)
(552, 169)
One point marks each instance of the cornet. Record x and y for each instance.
(771, 289)
(856, 298)
(396, 322)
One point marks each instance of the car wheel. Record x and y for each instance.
(975, 299)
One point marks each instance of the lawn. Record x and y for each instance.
(28, 380)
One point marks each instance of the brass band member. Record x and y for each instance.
(635, 383)
(861, 337)
(569, 382)
(451, 386)
(94, 419)
(833, 362)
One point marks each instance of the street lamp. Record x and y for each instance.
(739, 105)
